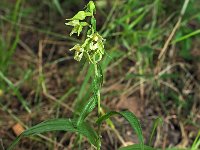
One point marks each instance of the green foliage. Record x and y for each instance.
(8, 44)
(87, 109)
(59, 125)
(184, 37)
(131, 118)
(158, 121)
(58, 6)
(196, 143)
(16, 92)
(85, 91)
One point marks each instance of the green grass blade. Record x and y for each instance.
(186, 36)
(196, 143)
(58, 7)
(16, 91)
(137, 20)
(59, 125)
(79, 100)
(13, 46)
(16, 10)
(131, 118)
(136, 147)
(157, 122)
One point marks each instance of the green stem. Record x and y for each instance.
(99, 115)
(99, 107)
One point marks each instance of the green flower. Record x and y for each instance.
(78, 52)
(78, 26)
(93, 46)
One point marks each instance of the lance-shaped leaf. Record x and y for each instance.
(87, 109)
(158, 121)
(131, 118)
(59, 125)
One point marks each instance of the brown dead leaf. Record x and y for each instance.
(130, 103)
(18, 129)
(113, 87)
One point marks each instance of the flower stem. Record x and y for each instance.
(99, 115)
(99, 107)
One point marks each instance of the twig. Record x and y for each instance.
(164, 49)
(167, 43)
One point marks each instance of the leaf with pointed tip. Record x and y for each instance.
(87, 109)
(196, 143)
(58, 6)
(158, 121)
(59, 125)
(131, 118)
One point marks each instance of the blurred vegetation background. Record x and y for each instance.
(151, 67)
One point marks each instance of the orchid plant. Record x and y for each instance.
(93, 50)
